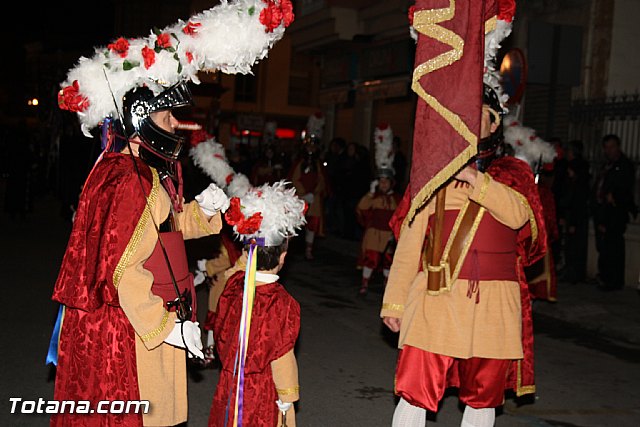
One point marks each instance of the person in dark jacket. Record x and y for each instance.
(613, 205)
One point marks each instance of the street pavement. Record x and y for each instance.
(587, 343)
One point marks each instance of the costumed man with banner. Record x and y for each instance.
(256, 322)
(127, 297)
(459, 297)
(374, 210)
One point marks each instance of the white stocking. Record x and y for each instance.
(484, 417)
(209, 338)
(308, 236)
(407, 415)
(366, 272)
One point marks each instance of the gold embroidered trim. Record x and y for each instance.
(490, 24)
(163, 323)
(520, 389)
(485, 185)
(532, 218)
(394, 307)
(467, 243)
(288, 391)
(132, 246)
(427, 23)
(197, 212)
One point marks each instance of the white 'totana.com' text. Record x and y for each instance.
(42, 406)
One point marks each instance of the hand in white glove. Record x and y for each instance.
(283, 406)
(308, 198)
(202, 264)
(192, 337)
(373, 186)
(199, 278)
(212, 200)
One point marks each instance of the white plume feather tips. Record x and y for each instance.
(210, 157)
(315, 125)
(230, 37)
(383, 143)
(281, 210)
(526, 144)
(492, 44)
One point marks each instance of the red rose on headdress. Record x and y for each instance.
(229, 178)
(271, 16)
(383, 126)
(120, 46)
(250, 225)
(412, 10)
(234, 214)
(149, 56)
(287, 12)
(189, 56)
(163, 40)
(69, 98)
(191, 28)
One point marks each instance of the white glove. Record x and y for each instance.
(192, 337)
(202, 264)
(199, 278)
(373, 186)
(212, 200)
(283, 406)
(308, 198)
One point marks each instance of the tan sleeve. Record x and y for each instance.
(241, 264)
(218, 264)
(144, 310)
(285, 377)
(194, 223)
(405, 266)
(502, 202)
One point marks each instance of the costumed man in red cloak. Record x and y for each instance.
(127, 296)
(464, 315)
(307, 175)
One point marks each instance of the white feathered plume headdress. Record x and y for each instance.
(527, 145)
(315, 125)
(383, 143)
(230, 37)
(209, 155)
(269, 214)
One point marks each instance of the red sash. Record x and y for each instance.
(157, 265)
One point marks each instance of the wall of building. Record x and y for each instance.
(624, 65)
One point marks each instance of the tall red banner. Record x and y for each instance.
(447, 77)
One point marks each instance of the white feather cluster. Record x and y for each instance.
(492, 44)
(281, 210)
(526, 144)
(383, 143)
(210, 157)
(228, 37)
(315, 125)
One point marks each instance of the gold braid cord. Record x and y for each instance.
(427, 23)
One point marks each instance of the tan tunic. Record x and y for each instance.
(375, 239)
(451, 323)
(162, 376)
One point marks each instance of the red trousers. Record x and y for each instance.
(422, 377)
(374, 259)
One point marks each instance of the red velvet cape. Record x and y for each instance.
(532, 246)
(275, 325)
(96, 355)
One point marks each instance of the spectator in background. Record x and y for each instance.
(334, 166)
(574, 215)
(612, 205)
(268, 169)
(399, 165)
(355, 185)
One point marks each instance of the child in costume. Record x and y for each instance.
(375, 210)
(256, 323)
